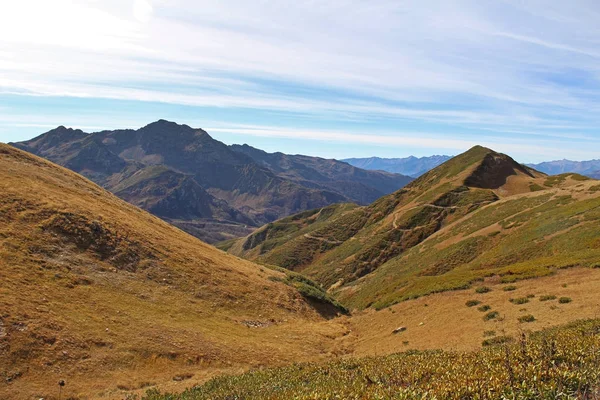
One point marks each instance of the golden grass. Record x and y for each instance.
(449, 324)
(110, 298)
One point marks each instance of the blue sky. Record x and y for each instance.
(336, 78)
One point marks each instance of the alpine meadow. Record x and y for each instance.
(232, 200)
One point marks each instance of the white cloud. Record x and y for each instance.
(464, 63)
(142, 10)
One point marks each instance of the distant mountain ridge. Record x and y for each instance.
(589, 168)
(411, 166)
(360, 185)
(201, 185)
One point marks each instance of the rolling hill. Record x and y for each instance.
(478, 215)
(201, 185)
(112, 299)
(411, 166)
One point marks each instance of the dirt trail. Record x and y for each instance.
(306, 235)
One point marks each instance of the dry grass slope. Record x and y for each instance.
(112, 299)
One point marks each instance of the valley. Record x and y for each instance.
(119, 303)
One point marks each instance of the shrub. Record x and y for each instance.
(509, 288)
(526, 318)
(490, 315)
(484, 308)
(489, 333)
(547, 297)
(565, 300)
(472, 303)
(519, 300)
(530, 296)
(496, 341)
(483, 289)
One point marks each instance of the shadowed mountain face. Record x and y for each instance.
(184, 176)
(411, 166)
(358, 185)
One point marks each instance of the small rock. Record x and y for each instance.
(422, 323)
(399, 329)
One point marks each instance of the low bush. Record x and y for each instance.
(472, 303)
(526, 318)
(565, 300)
(484, 308)
(483, 289)
(497, 341)
(519, 300)
(491, 315)
(547, 297)
(509, 288)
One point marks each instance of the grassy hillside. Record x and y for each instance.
(556, 363)
(112, 299)
(479, 214)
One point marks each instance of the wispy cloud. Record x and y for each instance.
(430, 67)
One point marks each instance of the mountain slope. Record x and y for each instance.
(389, 251)
(231, 181)
(357, 185)
(411, 166)
(201, 185)
(100, 293)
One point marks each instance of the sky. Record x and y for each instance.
(335, 78)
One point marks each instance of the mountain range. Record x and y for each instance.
(589, 168)
(415, 167)
(411, 166)
(203, 186)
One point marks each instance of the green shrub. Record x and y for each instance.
(519, 300)
(472, 303)
(497, 341)
(530, 296)
(547, 297)
(483, 289)
(509, 288)
(491, 315)
(526, 318)
(484, 308)
(565, 300)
